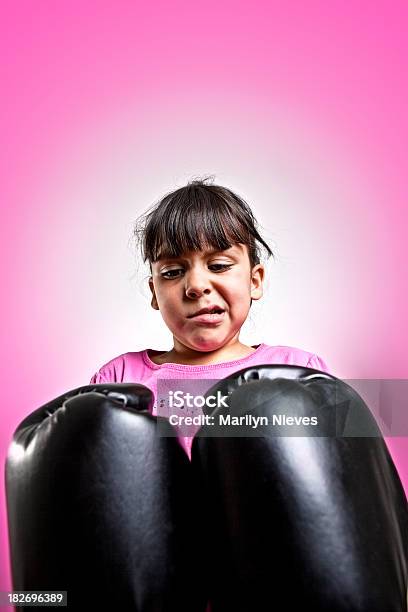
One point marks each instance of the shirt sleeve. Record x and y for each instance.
(317, 363)
(97, 378)
(106, 374)
(112, 371)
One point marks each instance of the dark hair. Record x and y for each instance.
(198, 216)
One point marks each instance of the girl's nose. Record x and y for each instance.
(196, 284)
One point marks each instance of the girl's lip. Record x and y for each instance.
(209, 319)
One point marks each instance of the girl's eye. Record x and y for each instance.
(164, 274)
(222, 266)
(169, 272)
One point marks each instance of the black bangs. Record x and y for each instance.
(196, 218)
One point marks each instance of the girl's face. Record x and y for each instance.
(200, 279)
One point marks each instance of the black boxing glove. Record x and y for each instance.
(102, 507)
(301, 518)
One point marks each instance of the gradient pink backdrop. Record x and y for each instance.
(106, 105)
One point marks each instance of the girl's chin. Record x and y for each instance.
(205, 345)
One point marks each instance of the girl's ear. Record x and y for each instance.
(257, 276)
(153, 303)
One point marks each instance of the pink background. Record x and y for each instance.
(298, 106)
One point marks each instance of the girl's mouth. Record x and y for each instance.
(209, 319)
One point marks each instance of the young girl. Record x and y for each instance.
(328, 510)
(201, 242)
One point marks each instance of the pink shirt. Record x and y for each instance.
(137, 367)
